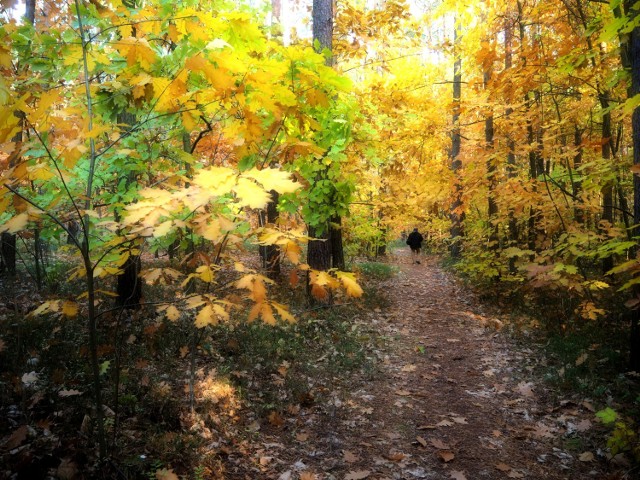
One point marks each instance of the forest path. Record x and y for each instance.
(453, 401)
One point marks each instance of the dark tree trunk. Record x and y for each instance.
(491, 168)
(270, 254)
(319, 251)
(8, 253)
(633, 52)
(129, 286)
(456, 215)
(337, 249)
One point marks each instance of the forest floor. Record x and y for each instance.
(455, 399)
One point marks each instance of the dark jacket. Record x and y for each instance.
(414, 240)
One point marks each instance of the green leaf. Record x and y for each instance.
(608, 415)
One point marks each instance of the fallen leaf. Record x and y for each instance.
(503, 467)
(184, 351)
(395, 456)
(30, 378)
(308, 476)
(67, 469)
(515, 474)
(444, 423)
(589, 406)
(496, 433)
(349, 456)
(69, 393)
(456, 475)
(427, 427)
(165, 474)
(460, 420)
(285, 476)
(583, 425)
(264, 461)
(367, 411)
(421, 441)
(586, 457)
(276, 419)
(525, 389)
(359, 475)
(302, 437)
(446, 456)
(403, 393)
(17, 437)
(581, 359)
(439, 444)
(409, 368)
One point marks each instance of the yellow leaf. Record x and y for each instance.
(15, 224)
(165, 474)
(350, 284)
(292, 250)
(283, 312)
(216, 181)
(250, 194)
(195, 301)
(206, 317)
(273, 179)
(205, 273)
(162, 229)
(69, 309)
(172, 313)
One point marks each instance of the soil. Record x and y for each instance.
(456, 398)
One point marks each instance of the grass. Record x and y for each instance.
(376, 270)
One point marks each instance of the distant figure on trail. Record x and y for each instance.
(414, 240)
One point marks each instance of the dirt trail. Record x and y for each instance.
(453, 401)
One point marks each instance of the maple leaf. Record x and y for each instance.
(349, 282)
(273, 179)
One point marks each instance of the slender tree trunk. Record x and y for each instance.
(270, 254)
(576, 183)
(129, 286)
(511, 144)
(607, 189)
(456, 214)
(491, 168)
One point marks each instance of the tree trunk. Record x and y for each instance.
(337, 248)
(129, 286)
(8, 253)
(270, 254)
(456, 215)
(633, 54)
(319, 251)
(492, 206)
(576, 185)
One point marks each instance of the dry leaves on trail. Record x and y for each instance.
(457, 475)
(446, 455)
(359, 475)
(349, 456)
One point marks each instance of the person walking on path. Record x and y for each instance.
(414, 240)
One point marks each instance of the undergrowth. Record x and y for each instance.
(175, 397)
